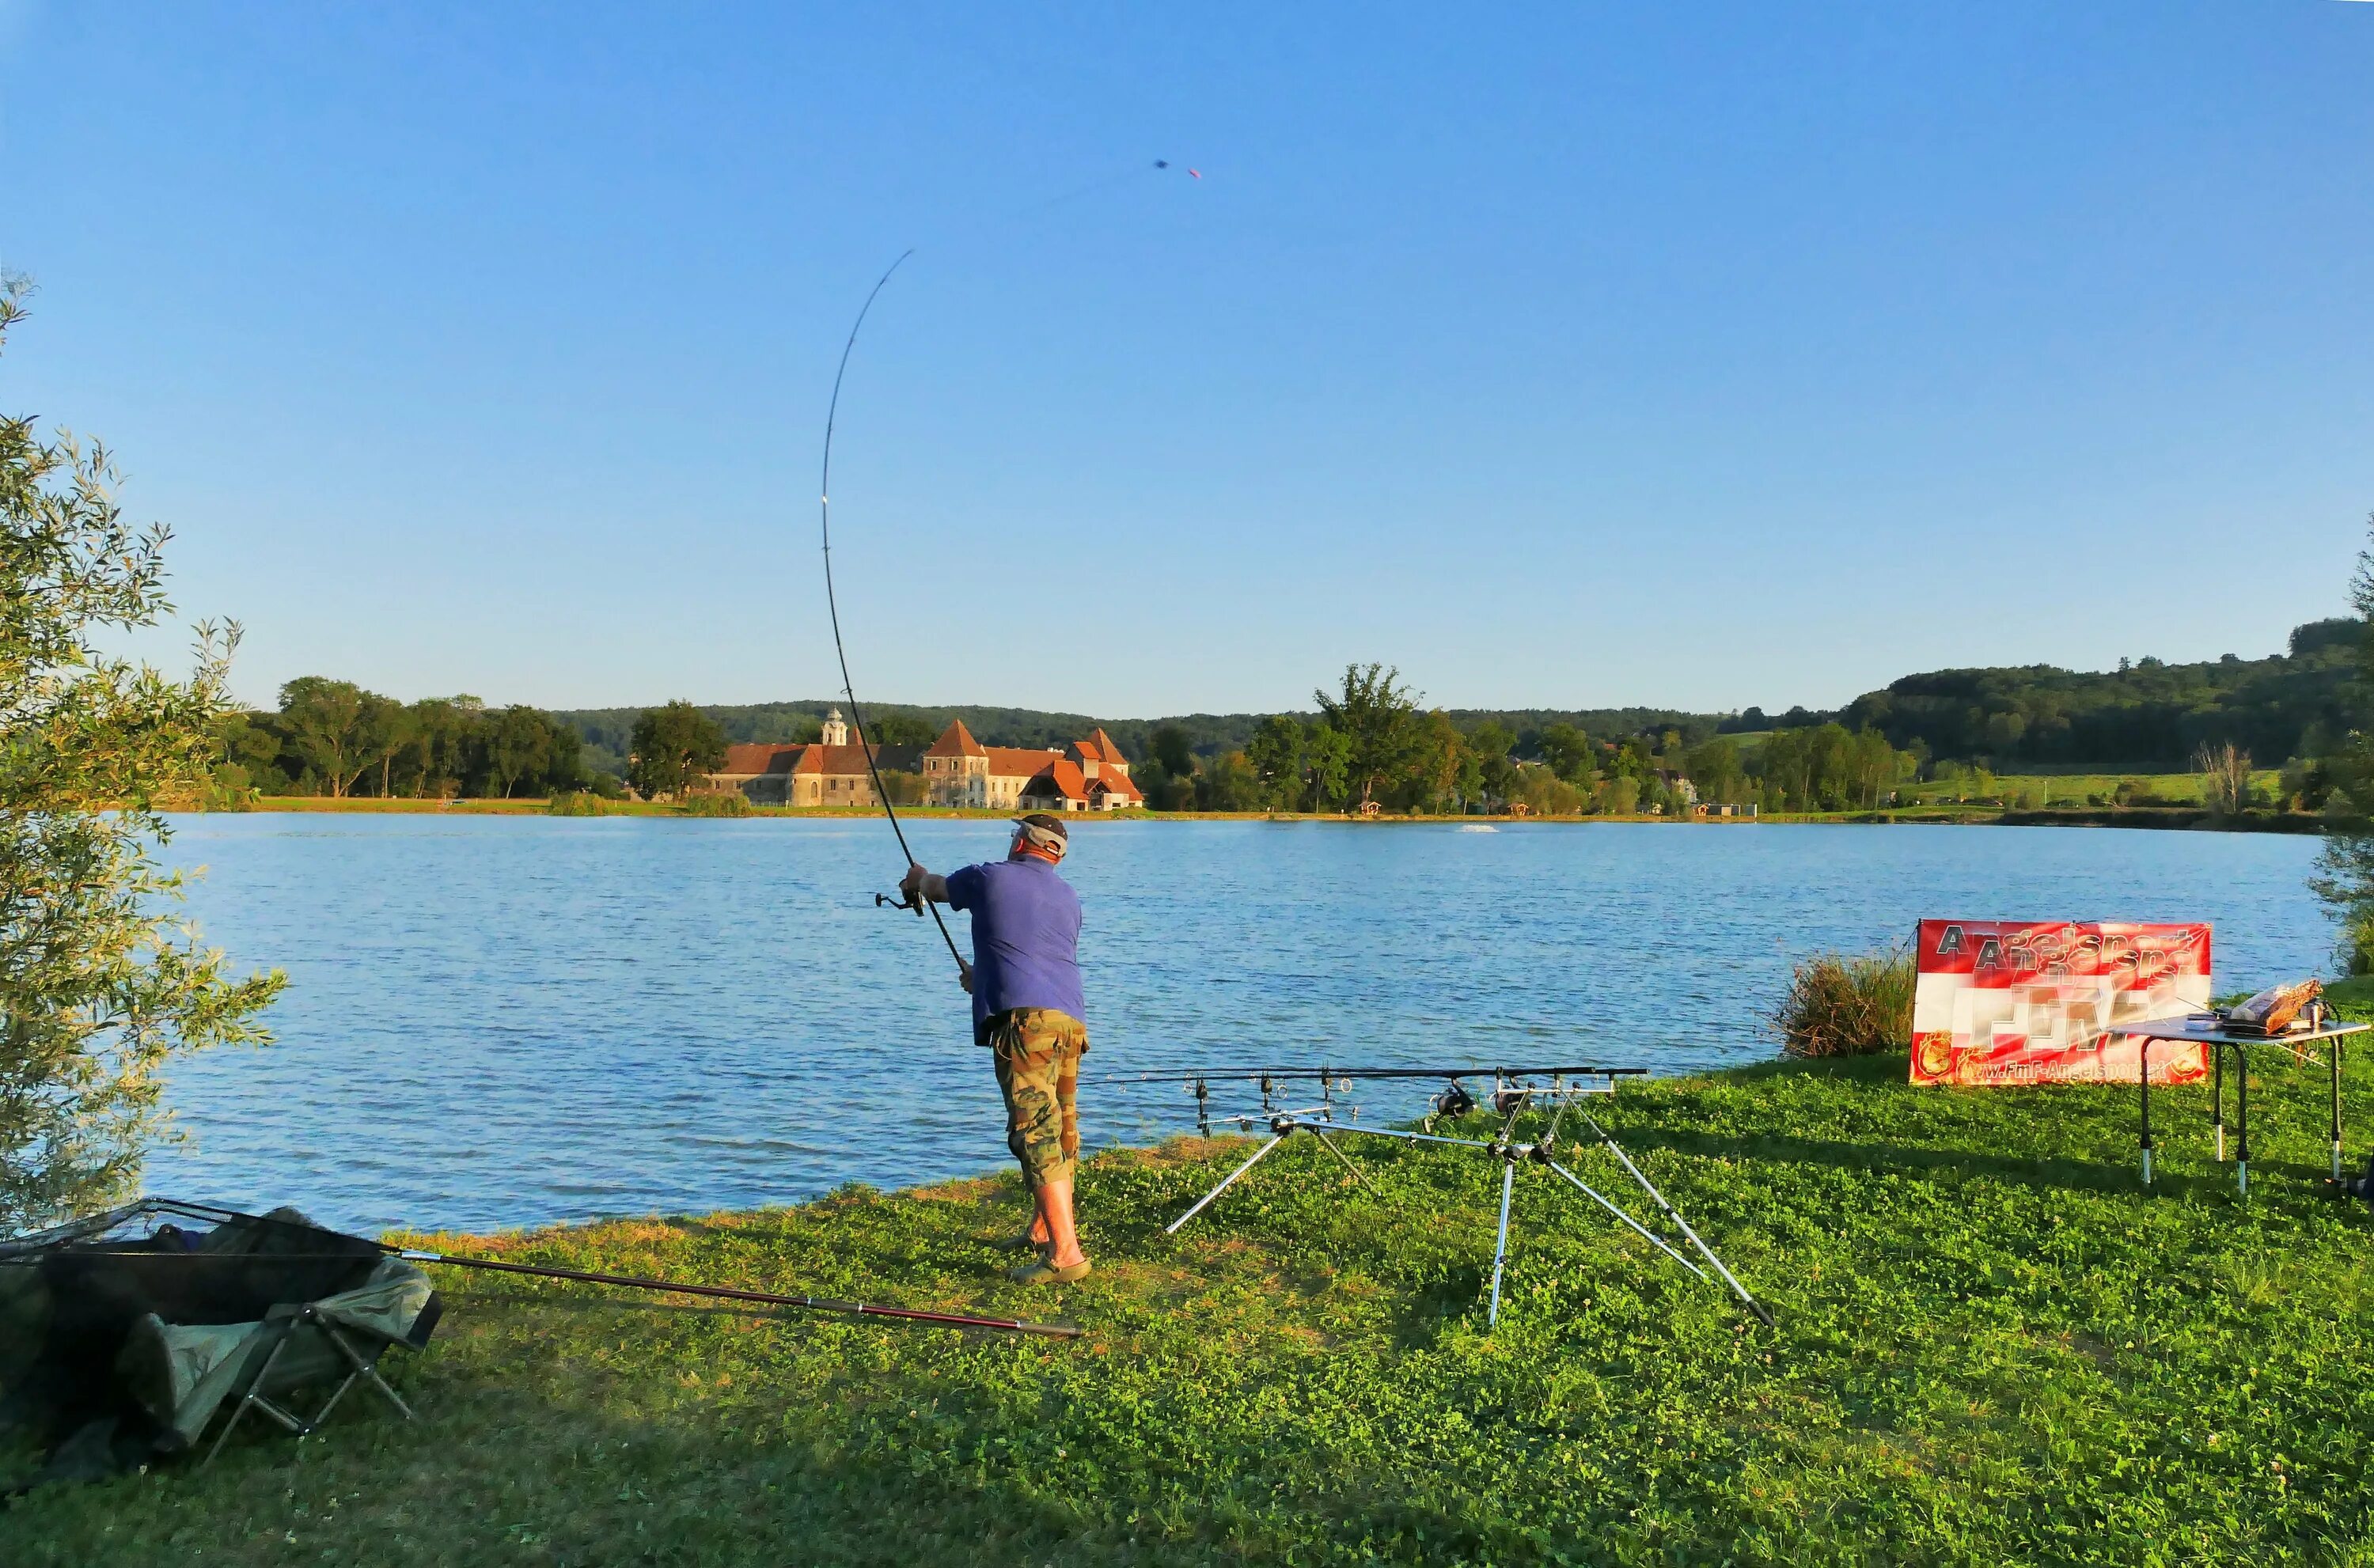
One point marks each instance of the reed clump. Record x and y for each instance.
(1841, 1004)
(722, 803)
(578, 803)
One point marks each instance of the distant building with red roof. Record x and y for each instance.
(1086, 776)
(828, 772)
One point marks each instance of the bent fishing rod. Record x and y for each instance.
(916, 901)
(30, 1248)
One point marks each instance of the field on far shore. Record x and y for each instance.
(2078, 788)
(1991, 1348)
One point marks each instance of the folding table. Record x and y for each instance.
(2205, 1032)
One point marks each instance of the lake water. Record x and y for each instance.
(502, 1020)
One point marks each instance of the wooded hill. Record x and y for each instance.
(2150, 716)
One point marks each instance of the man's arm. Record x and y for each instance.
(932, 885)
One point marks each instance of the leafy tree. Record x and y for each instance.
(436, 755)
(1166, 776)
(1170, 749)
(1545, 795)
(1570, 754)
(329, 727)
(387, 729)
(1378, 718)
(100, 983)
(519, 744)
(247, 752)
(1229, 784)
(905, 789)
(1486, 774)
(892, 729)
(2344, 880)
(1326, 763)
(1437, 773)
(673, 746)
(1714, 768)
(1274, 754)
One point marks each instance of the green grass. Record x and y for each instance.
(1992, 1349)
(2174, 788)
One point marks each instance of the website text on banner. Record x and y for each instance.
(2040, 1002)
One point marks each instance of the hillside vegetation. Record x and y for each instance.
(2149, 717)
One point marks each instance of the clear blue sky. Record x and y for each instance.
(1697, 354)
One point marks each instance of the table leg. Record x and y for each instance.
(2217, 1098)
(2242, 1119)
(2335, 1045)
(2143, 1086)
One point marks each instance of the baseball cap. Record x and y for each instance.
(1046, 832)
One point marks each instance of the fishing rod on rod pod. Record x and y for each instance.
(1454, 1099)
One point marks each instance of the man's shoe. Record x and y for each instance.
(1045, 1273)
(1024, 1238)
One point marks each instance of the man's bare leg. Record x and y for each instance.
(1038, 1220)
(1054, 1201)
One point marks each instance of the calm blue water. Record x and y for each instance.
(510, 1021)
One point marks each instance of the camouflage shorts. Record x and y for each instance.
(1038, 1053)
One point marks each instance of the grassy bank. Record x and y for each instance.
(1992, 1349)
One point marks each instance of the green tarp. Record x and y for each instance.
(118, 1348)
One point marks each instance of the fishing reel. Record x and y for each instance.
(900, 901)
(1455, 1101)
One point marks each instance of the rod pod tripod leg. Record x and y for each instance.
(1328, 1144)
(1651, 1237)
(1500, 1250)
(1673, 1215)
(1225, 1182)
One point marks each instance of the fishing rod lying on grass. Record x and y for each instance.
(30, 1248)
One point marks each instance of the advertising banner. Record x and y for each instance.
(2040, 1002)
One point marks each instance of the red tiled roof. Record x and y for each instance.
(849, 762)
(1019, 761)
(1061, 777)
(1100, 745)
(750, 757)
(957, 740)
(1115, 784)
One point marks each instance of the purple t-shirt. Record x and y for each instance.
(1026, 937)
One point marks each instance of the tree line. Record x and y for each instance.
(330, 737)
(2146, 716)
(1373, 744)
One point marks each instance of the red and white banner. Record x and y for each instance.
(2040, 1002)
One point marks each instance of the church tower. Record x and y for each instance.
(836, 733)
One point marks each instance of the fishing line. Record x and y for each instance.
(832, 604)
(920, 904)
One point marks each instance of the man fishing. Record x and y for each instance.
(1026, 1008)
